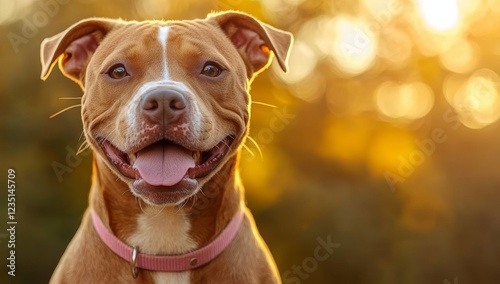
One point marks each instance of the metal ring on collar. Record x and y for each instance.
(135, 270)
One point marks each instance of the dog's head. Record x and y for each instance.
(165, 104)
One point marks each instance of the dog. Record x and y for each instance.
(166, 110)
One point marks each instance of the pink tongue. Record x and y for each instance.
(163, 164)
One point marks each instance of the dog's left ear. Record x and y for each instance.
(254, 40)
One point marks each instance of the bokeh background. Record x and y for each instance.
(382, 139)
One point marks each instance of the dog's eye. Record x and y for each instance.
(211, 69)
(118, 72)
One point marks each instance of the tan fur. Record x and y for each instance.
(190, 219)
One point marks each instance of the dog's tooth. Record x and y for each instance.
(132, 158)
(196, 155)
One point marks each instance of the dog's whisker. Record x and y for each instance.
(248, 149)
(180, 207)
(229, 145)
(195, 198)
(65, 109)
(158, 209)
(124, 192)
(82, 136)
(201, 191)
(109, 133)
(264, 104)
(139, 200)
(84, 146)
(70, 98)
(256, 146)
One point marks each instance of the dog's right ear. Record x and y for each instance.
(74, 47)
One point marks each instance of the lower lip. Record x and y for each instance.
(165, 194)
(186, 184)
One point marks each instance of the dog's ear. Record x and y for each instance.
(74, 47)
(254, 40)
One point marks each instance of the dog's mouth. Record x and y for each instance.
(165, 163)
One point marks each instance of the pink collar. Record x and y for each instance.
(169, 263)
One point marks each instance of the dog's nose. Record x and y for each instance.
(163, 106)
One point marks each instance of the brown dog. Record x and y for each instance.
(165, 110)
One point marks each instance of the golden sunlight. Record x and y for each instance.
(10, 11)
(390, 151)
(346, 140)
(7, 10)
(355, 45)
(260, 175)
(461, 57)
(476, 100)
(404, 102)
(302, 63)
(152, 9)
(440, 16)
(383, 10)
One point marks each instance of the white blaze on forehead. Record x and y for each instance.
(162, 37)
(164, 81)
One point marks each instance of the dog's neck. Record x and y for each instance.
(205, 214)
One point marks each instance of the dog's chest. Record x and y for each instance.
(164, 232)
(172, 277)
